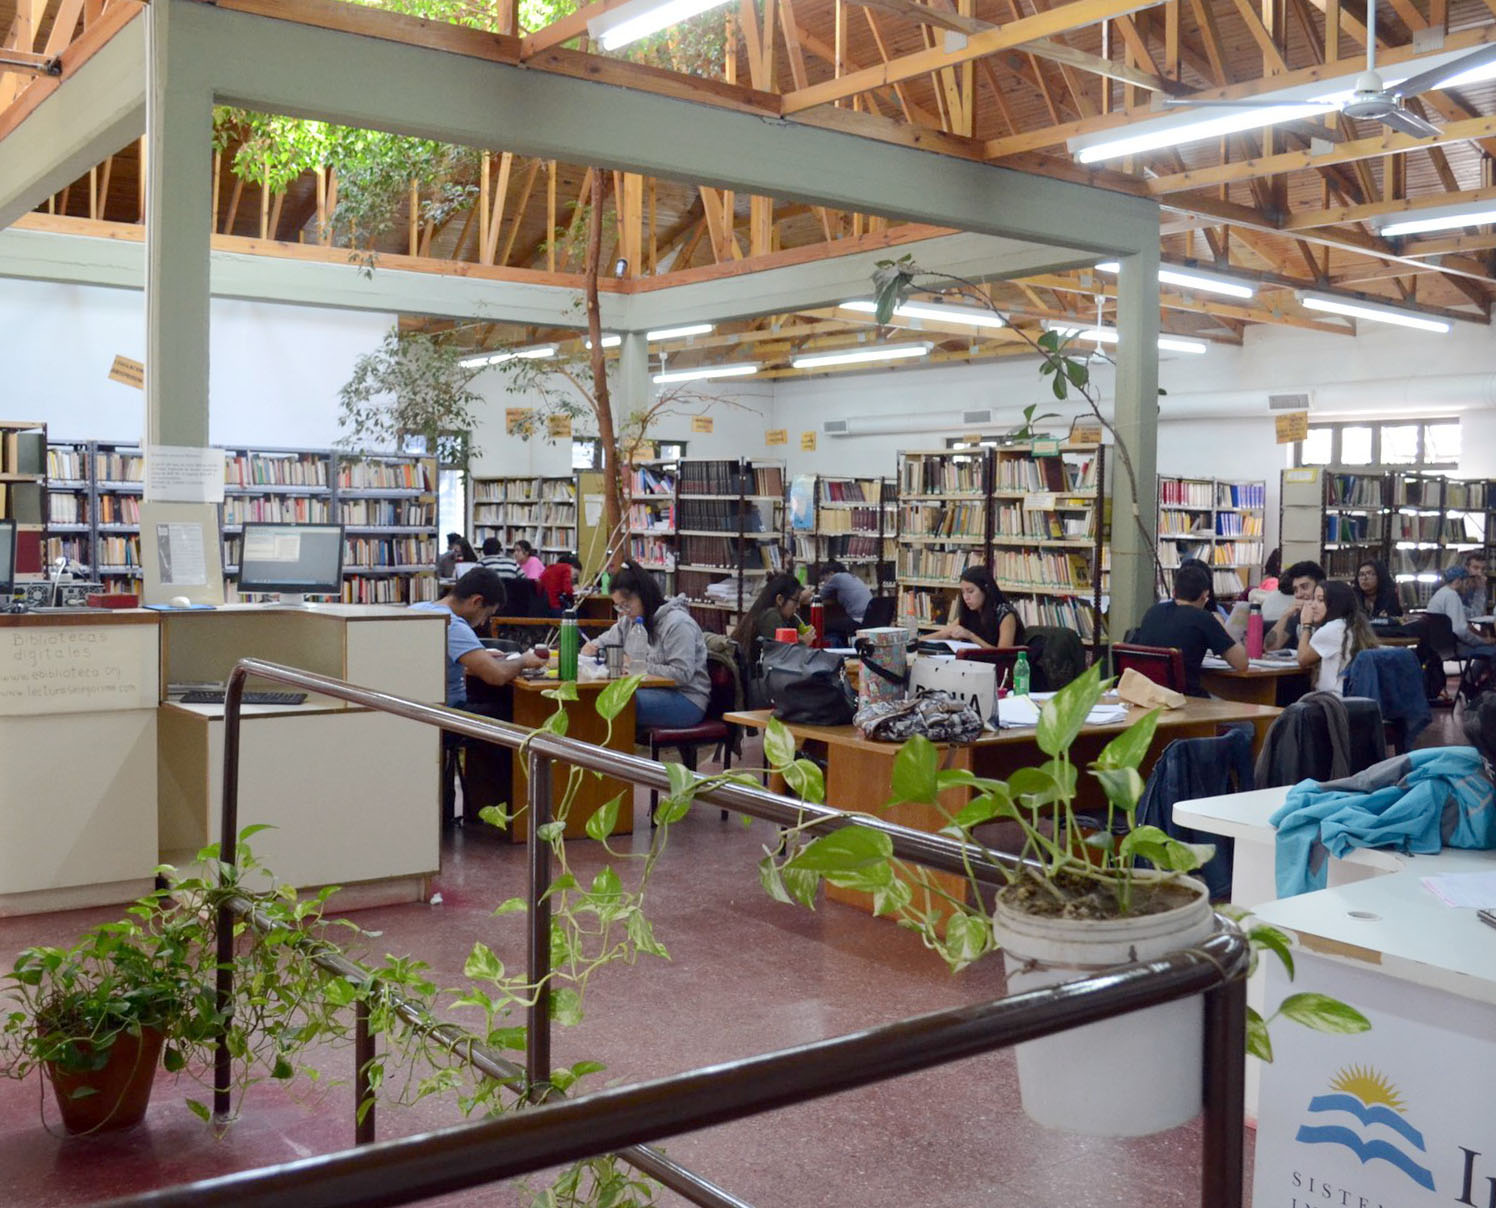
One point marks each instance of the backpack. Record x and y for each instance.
(805, 685)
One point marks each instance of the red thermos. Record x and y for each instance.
(1254, 632)
(818, 621)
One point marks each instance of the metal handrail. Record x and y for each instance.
(612, 1121)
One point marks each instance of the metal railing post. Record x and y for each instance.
(228, 855)
(538, 1027)
(1222, 1138)
(364, 1053)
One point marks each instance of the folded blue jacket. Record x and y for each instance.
(1418, 802)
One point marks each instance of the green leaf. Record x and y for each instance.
(1033, 787)
(1324, 1014)
(1159, 848)
(612, 700)
(642, 936)
(779, 744)
(604, 819)
(893, 897)
(914, 771)
(1129, 747)
(846, 850)
(566, 1007)
(773, 883)
(556, 723)
(672, 809)
(1062, 716)
(1060, 385)
(1077, 372)
(512, 906)
(606, 883)
(1263, 936)
(550, 831)
(496, 815)
(200, 1110)
(1259, 1043)
(1122, 786)
(683, 781)
(1049, 341)
(282, 1070)
(563, 691)
(482, 964)
(984, 809)
(967, 936)
(805, 781)
(173, 1060)
(1063, 773)
(802, 884)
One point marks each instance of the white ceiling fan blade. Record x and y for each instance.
(1184, 103)
(1437, 77)
(1408, 123)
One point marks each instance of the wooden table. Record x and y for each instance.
(1256, 685)
(859, 771)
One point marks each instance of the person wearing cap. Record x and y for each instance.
(1451, 600)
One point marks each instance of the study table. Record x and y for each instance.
(1264, 682)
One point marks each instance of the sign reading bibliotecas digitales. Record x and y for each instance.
(701, 423)
(777, 436)
(1291, 426)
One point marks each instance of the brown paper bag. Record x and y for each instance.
(1137, 689)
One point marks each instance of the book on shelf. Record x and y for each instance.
(280, 509)
(275, 469)
(848, 520)
(381, 475)
(67, 462)
(1355, 490)
(116, 466)
(1187, 492)
(1178, 524)
(1238, 524)
(850, 490)
(941, 474)
(931, 562)
(649, 480)
(118, 509)
(1241, 495)
(943, 519)
(375, 513)
(1054, 572)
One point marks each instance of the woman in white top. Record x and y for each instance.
(1332, 631)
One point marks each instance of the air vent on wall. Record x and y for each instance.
(1288, 402)
(976, 417)
(834, 427)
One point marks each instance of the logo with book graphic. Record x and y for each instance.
(1364, 1114)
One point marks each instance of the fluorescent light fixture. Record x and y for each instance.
(1354, 308)
(1191, 280)
(962, 316)
(704, 371)
(856, 356)
(681, 333)
(1108, 335)
(640, 18)
(607, 342)
(1440, 219)
(539, 353)
(1175, 132)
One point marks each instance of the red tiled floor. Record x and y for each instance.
(745, 975)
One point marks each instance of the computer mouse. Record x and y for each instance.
(180, 602)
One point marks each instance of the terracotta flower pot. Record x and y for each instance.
(119, 1093)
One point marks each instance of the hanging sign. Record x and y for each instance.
(516, 418)
(127, 372)
(1292, 426)
(701, 423)
(807, 442)
(1085, 432)
(558, 425)
(777, 436)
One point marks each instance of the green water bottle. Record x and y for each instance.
(571, 644)
(1020, 672)
(604, 582)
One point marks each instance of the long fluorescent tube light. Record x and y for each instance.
(1109, 335)
(680, 333)
(1440, 220)
(1170, 133)
(704, 371)
(539, 353)
(1377, 313)
(962, 316)
(607, 342)
(889, 352)
(1189, 279)
(630, 22)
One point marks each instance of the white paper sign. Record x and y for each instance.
(183, 474)
(77, 668)
(1398, 1116)
(179, 554)
(592, 506)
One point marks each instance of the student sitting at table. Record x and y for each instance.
(1184, 624)
(1302, 578)
(1332, 631)
(529, 565)
(981, 613)
(557, 581)
(845, 598)
(1450, 600)
(777, 607)
(1375, 591)
(1212, 605)
(660, 637)
(497, 560)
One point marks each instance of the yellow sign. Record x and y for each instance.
(1292, 426)
(1085, 432)
(701, 423)
(516, 418)
(807, 442)
(558, 425)
(130, 373)
(777, 436)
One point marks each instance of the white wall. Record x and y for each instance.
(275, 373)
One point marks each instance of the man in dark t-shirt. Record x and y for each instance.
(1184, 624)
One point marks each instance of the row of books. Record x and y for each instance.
(391, 513)
(653, 552)
(645, 480)
(930, 562)
(22, 452)
(1226, 582)
(67, 509)
(487, 515)
(119, 467)
(1186, 492)
(1185, 524)
(119, 509)
(650, 518)
(1037, 474)
(1028, 569)
(1067, 614)
(1415, 561)
(383, 476)
(943, 519)
(281, 470)
(73, 548)
(855, 549)
(729, 477)
(724, 553)
(119, 551)
(1369, 527)
(1171, 553)
(850, 490)
(1471, 496)
(1238, 524)
(922, 605)
(67, 463)
(282, 509)
(384, 589)
(719, 515)
(1236, 553)
(1014, 520)
(1411, 526)
(555, 538)
(520, 490)
(942, 476)
(1241, 495)
(1354, 490)
(848, 520)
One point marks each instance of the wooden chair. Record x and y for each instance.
(710, 731)
(1162, 664)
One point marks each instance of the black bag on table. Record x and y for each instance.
(805, 685)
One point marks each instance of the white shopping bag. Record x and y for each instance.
(973, 682)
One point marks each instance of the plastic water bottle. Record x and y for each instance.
(571, 644)
(1254, 632)
(604, 582)
(1021, 674)
(628, 659)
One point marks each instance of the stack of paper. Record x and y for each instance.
(1015, 712)
(1470, 890)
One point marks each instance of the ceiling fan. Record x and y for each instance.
(1372, 99)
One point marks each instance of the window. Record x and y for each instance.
(587, 454)
(451, 501)
(1428, 444)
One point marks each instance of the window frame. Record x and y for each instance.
(1337, 430)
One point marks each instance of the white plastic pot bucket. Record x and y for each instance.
(1136, 1074)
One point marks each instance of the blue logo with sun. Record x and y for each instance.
(1364, 1114)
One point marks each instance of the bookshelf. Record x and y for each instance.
(70, 504)
(944, 525)
(1049, 533)
(651, 518)
(540, 510)
(1219, 521)
(391, 563)
(729, 535)
(117, 486)
(1414, 522)
(23, 488)
(853, 521)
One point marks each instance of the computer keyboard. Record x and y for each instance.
(199, 696)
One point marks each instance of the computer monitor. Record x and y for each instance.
(293, 559)
(7, 560)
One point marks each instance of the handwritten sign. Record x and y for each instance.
(127, 372)
(183, 474)
(807, 442)
(701, 423)
(77, 668)
(516, 419)
(777, 436)
(558, 425)
(1085, 432)
(1045, 446)
(1292, 426)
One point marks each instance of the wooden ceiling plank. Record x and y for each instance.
(519, 210)
(64, 27)
(496, 214)
(1210, 36)
(791, 30)
(1339, 215)
(1272, 57)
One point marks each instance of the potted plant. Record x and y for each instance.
(1082, 900)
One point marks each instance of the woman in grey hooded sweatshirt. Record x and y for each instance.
(658, 636)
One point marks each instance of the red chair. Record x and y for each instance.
(1001, 657)
(710, 731)
(1162, 664)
